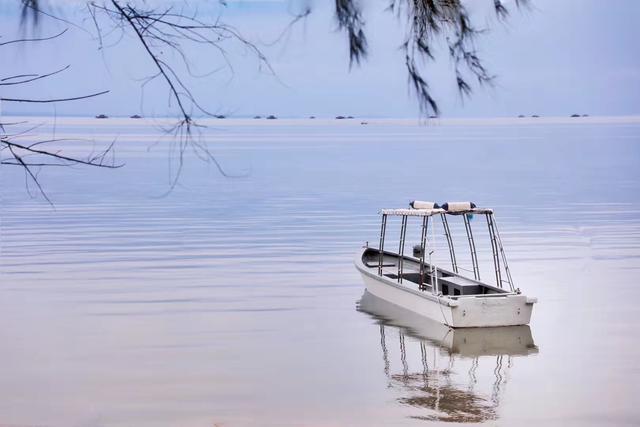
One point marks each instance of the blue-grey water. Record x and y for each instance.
(233, 301)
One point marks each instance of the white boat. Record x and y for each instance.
(444, 295)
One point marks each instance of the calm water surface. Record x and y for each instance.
(234, 301)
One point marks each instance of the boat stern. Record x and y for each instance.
(484, 310)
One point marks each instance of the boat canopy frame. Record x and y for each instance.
(428, 211)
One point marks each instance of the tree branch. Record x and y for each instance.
(42, 101)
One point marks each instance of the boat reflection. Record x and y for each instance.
(451, 384)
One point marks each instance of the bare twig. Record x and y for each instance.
(42, 101)
(28, 78)
(40, 39)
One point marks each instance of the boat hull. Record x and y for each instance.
(465, 342)
(462, 312)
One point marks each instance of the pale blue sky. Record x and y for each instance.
(559, 58)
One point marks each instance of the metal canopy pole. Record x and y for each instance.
(447, 233)
(472, 247)
(403, 233)
(433, 270)
(423, 241)
(494, 249)
(504, 256)
(383, 229)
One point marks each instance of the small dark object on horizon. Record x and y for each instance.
(312, 117)
(340, 117)
(220, 116)
(271, 117)
(585, 115)
(349, 117)
(575, 115)
(364, 123)
(433, 117)
(135, 116)
(102, 116)
(535, 115)
(257, 117)
(521, 116)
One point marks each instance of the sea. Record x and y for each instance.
(209, 279)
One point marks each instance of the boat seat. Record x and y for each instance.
(376, 264)
(462, 285)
